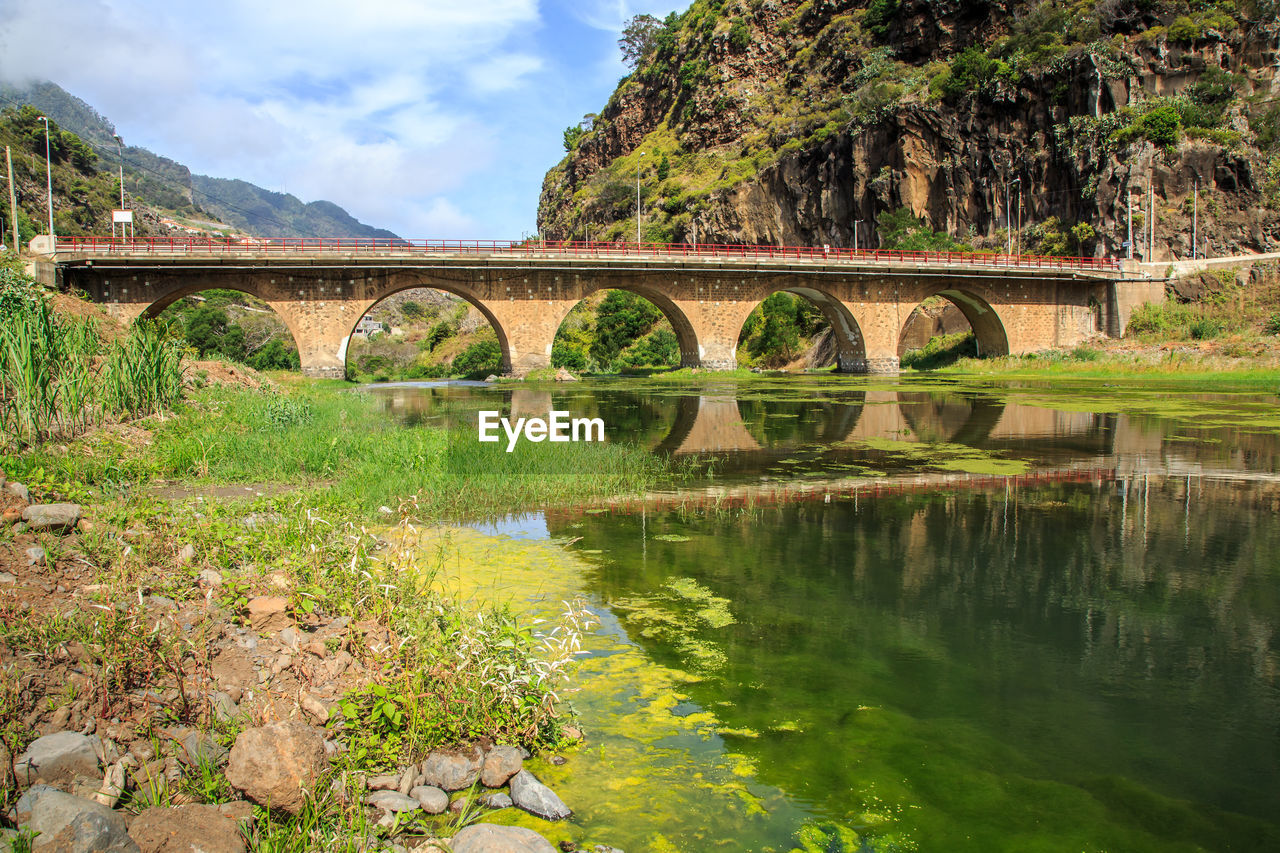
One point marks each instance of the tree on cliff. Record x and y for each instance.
(639, 38)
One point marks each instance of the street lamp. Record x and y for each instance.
(48, 171)
(638, 201)
(855, 233)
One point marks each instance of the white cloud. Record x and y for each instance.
(374, 106)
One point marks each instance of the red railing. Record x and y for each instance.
(360, 246)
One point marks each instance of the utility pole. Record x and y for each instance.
(1129, 213)
(638, 201)
(1195, 219)
(1020, 197)
(1008, 212)
(13, 201)
(855, 234)
(48, 171)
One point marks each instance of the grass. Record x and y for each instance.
(341, 448)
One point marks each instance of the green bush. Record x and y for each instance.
(1161, 124)
(479, 359)
(1205, 328)
(971, 72)
(1272, 325)
(880, 16)
(739, 35)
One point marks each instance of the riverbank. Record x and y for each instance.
(228, 617)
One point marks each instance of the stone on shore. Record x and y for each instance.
(277, 765)
(59, 759)
(488, 838)
(67, 824)
(194, 828)
(536, 798)
(56, 517)
(268, 613)
(393, 801)
(453, 770)
(501, 764)
(432, 799)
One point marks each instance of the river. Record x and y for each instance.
(912, 615)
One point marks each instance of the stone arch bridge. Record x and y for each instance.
(321, 289)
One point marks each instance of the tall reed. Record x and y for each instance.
(57, 379)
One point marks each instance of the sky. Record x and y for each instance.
(432, 118)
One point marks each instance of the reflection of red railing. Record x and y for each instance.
(361, 246)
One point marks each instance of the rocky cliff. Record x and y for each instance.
(787, 122)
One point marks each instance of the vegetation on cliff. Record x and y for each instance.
(781, 121)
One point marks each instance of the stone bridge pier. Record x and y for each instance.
(707, 301)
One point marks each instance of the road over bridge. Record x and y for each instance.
(321, 288)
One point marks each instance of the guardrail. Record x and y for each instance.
(558, 248)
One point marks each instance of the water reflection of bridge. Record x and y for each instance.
(723, 423)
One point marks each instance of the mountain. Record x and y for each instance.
(790, 122)
(171, 189)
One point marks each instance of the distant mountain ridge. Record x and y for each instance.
(168, 185)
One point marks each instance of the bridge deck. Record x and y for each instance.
(376, 252)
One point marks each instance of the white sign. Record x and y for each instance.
(125, 216)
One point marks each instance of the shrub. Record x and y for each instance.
(940, 351)
(1161, 124)
(880, 16)
(1204, 328)
(481, 358)
(739, 35)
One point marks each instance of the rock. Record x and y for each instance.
(36, 556)
(187, 554)
(501, 764)
(56, 517)
(496, 801)
(59, 759)
(315, 708)
(407, 779)
(67, 824)
(19, 491)
(12, 515)
(488, 838)
(384, 782)
(572, 732)
(392, 801)
(289, 638)
(536, 798)
(224, 707)
(453, 770)
(492, 377)
(6, 578)
(191, 828)
(277, 765)
(563, 375)
(112, 786)
(20, 528)
(86, 526)
(209, 578)
(196, 748)
(604, 848)
(431, 799)
(267, 613)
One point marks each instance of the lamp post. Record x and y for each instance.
(638, 201)
(855, 233)
(48, 171)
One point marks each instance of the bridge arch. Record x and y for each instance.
(989, 328)
(403, 282)
(681, 325)
(846, 332)
(282, 311)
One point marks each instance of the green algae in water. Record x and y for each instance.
(671, 537)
